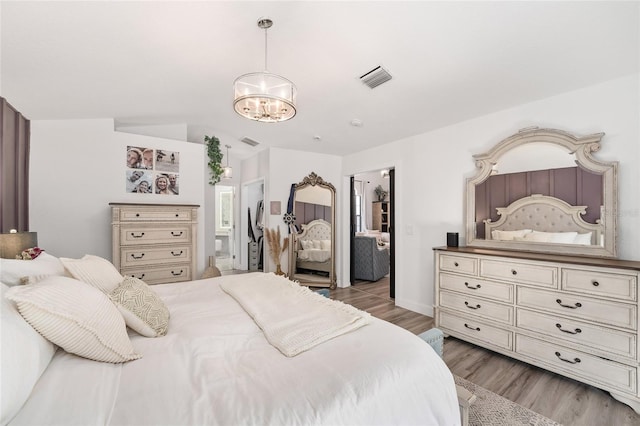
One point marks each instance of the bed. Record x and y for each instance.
(313, 247)
(544, 219)
(216, 366)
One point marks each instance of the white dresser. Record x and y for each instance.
(155, 242)
(576, 316)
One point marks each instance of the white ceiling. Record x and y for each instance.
(175, 62)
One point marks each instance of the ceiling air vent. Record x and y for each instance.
(375, 77)
(249, 141)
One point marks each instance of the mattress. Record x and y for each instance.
(215, 367)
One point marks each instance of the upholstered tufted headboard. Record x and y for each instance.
(316, 230)
(543, 214)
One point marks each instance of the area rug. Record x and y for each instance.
(490, 409)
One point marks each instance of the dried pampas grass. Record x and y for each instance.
(275, 247)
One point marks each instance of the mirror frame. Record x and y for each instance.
(582, 148)
(314, 180)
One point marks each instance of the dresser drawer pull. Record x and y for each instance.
(472, 288)
(177, 215)
(471, 307)
(575, 360)
(576, 306)
(176, 234)
(175, 274)
(472, 328)
(595, 283)
(140, 277)
(577, 330)
(455, 264)
(133, 234)
(137, 214)
(176, 254)
(514, 272)
(137, 257)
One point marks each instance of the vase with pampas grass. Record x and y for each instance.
(276, 248)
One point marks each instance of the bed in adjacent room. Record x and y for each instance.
(227, 358)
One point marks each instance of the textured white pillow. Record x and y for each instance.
(551, 237)
(316, 244)
(25, 355)
(509, 235)
(94, 270)
(142, 309)
(13, 271)
(325, 244)
(77, 317)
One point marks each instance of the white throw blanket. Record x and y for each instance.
(292, 317)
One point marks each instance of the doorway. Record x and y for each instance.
(372, 205)
(225, 228)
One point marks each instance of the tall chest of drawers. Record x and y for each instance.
(155, 242)
(576, 316)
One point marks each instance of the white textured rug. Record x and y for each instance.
(490, 409)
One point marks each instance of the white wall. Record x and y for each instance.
(431, 169)
(78, 167)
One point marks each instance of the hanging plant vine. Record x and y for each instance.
(215, 158)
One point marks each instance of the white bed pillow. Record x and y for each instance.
(325, 244)
(94, 270)
(306, 244)
(15, 272)
(25, 355)
(142, 309)
(316, 245)
(509, 235)
(551, 237)
(583, 239)
(77, 317)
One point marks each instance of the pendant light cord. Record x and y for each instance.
(265, 49)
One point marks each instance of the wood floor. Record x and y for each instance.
(561, 399)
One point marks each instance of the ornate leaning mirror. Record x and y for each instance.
(542, 190)
(312, 235)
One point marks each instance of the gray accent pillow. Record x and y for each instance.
(142, 309)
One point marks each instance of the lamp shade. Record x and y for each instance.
(12, 244)
(264, 97)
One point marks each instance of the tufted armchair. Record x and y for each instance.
(371, 262)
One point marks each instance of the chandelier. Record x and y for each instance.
(263, 96)
(227, 172)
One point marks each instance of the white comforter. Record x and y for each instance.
(216, 367)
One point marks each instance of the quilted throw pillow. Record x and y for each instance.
(77, 317)
(142, 309)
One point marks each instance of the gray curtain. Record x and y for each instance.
(14, 176)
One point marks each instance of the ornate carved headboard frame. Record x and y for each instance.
(583, 149)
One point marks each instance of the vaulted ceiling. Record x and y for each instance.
(163, 62)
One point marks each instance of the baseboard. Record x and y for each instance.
(415, 307)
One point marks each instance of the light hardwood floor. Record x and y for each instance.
(561, 399)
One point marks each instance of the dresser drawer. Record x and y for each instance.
(476, 330)
(476, 287)
(595, 369)
(463, 265)
(522, 273)
(173, 234)
(610, 284)
(136, 256)
(605, 340)
(150, 215)
(602, 311)
(160, 275)
(477, 306)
